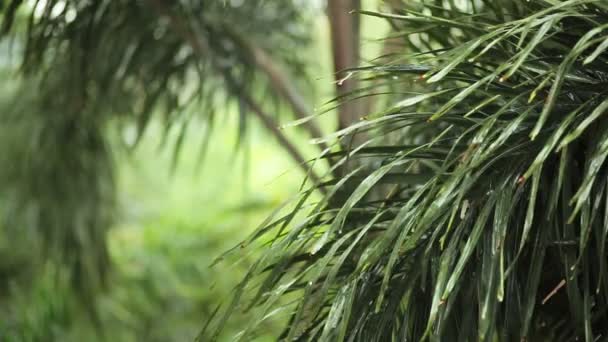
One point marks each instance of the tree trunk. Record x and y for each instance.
(345, 40)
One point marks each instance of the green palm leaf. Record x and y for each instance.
(509, 135)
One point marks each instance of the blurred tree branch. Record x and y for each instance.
(284, 87)
(200, 46)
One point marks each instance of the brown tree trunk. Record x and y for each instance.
(345, 39)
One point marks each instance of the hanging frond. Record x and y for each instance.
(88, 64)
(128, 58)
(485, 215)
(57, 186)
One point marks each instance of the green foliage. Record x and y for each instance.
(89, 67)
(484, 216)
(124, 58)
(57, 186)
(168, 228)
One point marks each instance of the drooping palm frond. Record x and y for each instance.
(126, 58)
(485, 215)
(57, 186)
(89, 64)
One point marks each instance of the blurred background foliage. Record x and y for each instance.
(169, 226)
(175, 195)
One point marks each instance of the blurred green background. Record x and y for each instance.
(176, 215)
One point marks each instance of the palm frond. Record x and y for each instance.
(57, 185)
(125, 58)
(484, 215)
